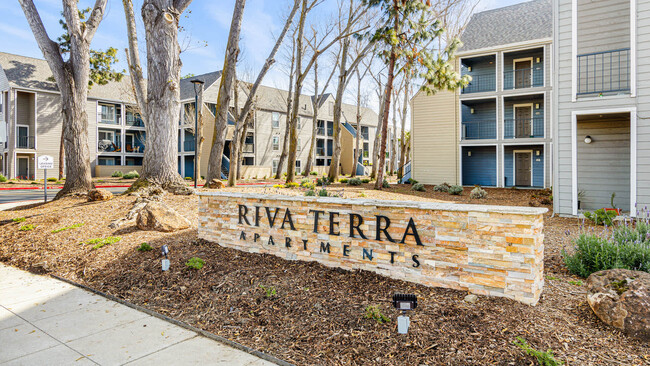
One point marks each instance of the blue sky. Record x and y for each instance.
(205, 24)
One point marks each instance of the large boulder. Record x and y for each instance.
(99, 194)
(160, 217)
(214, 184)
(621, 298)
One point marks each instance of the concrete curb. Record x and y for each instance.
(179, 323)
(112, 186)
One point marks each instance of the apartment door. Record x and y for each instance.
(23, 167)
(23, 137)
(523, 120)
(523, 168)
(523, 73)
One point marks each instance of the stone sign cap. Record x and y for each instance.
(45, 162)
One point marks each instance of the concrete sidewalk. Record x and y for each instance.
(44, 321)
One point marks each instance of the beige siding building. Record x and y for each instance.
(30, 126)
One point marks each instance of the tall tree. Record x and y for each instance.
(72, 78)
(361, 101)
(289, 105)
(225, 91)
(402, 115)
(406, 28)
(245, 115)
(159, 99)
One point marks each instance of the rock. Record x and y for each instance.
(180, 189)
(214, 184)
(160, 217)
(99, 194)
(471, 299)
(621, 298)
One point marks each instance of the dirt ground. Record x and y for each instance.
(316, 316)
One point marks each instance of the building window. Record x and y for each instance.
(109, 140)
(298, 166)
(320, 147)
(275, 166)
(299, 145)
(366, 149)
(331, 108)
(275, 120)
(110, 114)
(276, 143)
(330, 128)
(320, 162)
(133, 118)
(248, 160)
(364, 132)
(108, 160)
(320, 127)
(298, 123)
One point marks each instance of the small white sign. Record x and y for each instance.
(45, 162)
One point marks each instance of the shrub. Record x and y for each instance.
(2, 178)
(627, 248)
(100, 242)
(195, 263)
(478, 193)
(343, 180)
(306, 183)
(100, 181)
(34, 182)
(117, 174)
(601, 217)
(385, 184)
(313, 173)
(323, 181)
(19, 219)
(189, 178)
(270, 291)
(411, 181)
(27, 227)
(52, 179)
(373, 312)
(278, 186)
(365, 180)
(455, 190)
(418, 187)
(354, 182)
(323, 193)
(74, 226)
(543, 358)
(310, 193)
(145, 247)
(444, 187)
(131, 175)
(291, 185)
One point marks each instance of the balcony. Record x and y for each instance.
(606, 72)
(25, 142)
(523, 78)
(523, 128)
(479, 130)
(481, 83)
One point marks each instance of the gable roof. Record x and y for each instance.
(511, 24)
(33, 73)
(187, 88)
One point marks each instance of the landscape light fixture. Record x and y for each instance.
(197, 84)
(588, 140)
(404, 303)
(165, 261)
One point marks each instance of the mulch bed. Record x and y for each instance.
(317, 313)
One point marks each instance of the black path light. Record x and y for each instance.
(404, 303)
(165, 261)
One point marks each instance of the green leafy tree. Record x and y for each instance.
(406, 30)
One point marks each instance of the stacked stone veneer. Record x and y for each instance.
(486, 250)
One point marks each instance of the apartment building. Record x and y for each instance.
(30, 125)
(602, 139)
(497, 130)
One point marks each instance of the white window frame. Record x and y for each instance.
(298, 165)
(274, 166)
(299, 144)
(275, 119)
(275, 146)
(101, 114)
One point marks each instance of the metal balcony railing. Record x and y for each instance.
(523, 128)
(25, 142)
(523, 78)
(604, 72)
(479, 130)
(481, 83)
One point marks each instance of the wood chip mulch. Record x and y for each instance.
(316, 316)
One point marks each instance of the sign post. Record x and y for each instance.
(45, 162)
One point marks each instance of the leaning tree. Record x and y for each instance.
(405, 30)
(72, 77)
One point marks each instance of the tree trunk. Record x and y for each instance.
(393, 143)
(389, 90)
(338, 102)
(225, 89)
(402, 155)
(160, 163)
(199, 134)
(287, 124)
(61, 156)
(358, 136)
(375, 146)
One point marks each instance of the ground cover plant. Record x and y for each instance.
(145, 247)
(319, 317)
(27, 227)
(100, 242)
(195, 263)
(455, 190)
(73, 226)
(419, 187)
(543, 358)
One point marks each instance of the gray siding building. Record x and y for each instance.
(602, 134)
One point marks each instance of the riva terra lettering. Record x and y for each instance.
(258, 215)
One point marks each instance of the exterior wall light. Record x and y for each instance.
(537, 152)
(469, 68)
(588, 140)
(404, 303)
(537, 106)
(471, 110)
(469, 153)
(538, 60)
